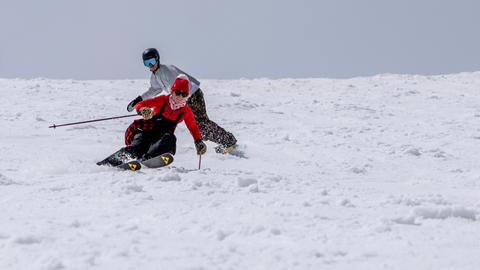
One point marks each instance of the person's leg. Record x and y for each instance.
(141, 142)
(138, 147)
(165, 144)
(209, 130)
(196, 103)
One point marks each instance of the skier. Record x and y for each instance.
(163, 76)
(154, 134)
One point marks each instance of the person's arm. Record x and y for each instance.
(192, 125)
(154, 89)
(151, 93)
(155, 103)
(156, 85)
(193, 128)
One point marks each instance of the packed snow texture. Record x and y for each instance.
(374, 172)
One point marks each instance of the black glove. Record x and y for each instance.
(134, 102)
(201, 147)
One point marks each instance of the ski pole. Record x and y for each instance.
(199, 161)
(83, 122)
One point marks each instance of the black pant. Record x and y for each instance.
(146, 144)
(153, 143)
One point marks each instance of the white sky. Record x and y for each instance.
(223, 39)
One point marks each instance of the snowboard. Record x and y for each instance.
(156, 162)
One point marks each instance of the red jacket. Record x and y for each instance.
(157, 103)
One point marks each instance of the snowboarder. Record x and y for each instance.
(163, 76)
(154, 134)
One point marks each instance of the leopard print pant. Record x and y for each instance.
(209, 130)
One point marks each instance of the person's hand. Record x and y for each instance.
(145, 112)
(134, 102)
(201, 147)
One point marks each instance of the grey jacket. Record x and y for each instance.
(163, 79)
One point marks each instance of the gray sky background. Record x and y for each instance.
(223, 39)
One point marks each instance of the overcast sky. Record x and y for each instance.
(223, 39)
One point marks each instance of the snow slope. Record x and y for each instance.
(366, 173)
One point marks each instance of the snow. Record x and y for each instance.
(365, 173)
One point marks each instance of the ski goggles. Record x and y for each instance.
(178, 93)
(151, 61)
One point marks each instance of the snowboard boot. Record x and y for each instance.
(121, 156)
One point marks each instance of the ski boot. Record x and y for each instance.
(228, 145)
(121, 156)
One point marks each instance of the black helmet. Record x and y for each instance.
(151, 53)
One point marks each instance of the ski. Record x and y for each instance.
(133, 165)
(156, 162)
